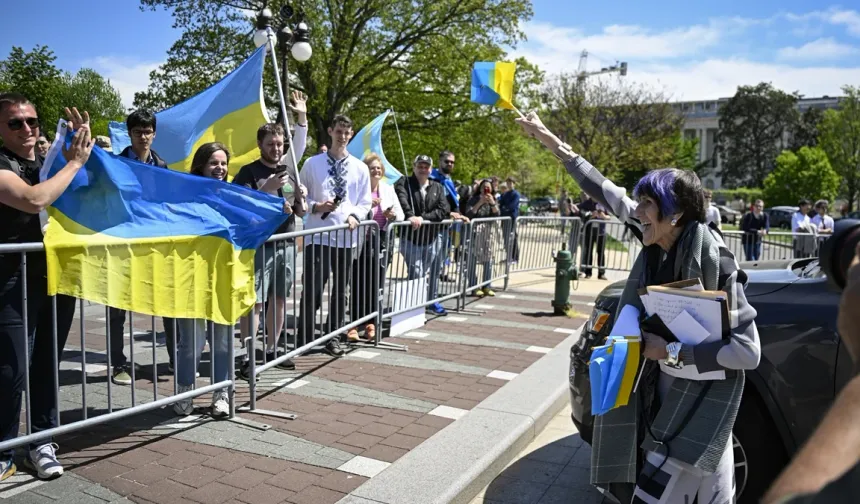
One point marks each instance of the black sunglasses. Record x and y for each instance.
(16, 124)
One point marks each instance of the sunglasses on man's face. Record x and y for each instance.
(17, 124)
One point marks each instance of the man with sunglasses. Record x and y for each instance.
(22, 198)
(141, 130)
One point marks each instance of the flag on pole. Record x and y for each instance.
(493, 83)
(368, 140)
(154, 241)
(612, 368)
(230, 111)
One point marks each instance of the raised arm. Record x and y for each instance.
(591, 181)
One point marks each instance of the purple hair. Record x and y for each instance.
(660, 186)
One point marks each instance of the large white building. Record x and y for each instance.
(702, 121)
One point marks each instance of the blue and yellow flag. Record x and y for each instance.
(229, 112)
(154, 241)
(612, 367)
(368, 140)
(493, 83)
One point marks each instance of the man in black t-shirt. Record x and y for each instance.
(22, 198)
(274, 263)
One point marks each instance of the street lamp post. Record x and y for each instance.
(291, 40)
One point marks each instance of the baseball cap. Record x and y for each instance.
(422, 158)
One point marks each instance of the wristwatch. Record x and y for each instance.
(673, 360)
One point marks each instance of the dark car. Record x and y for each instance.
(780, 216)
(544, 204)
(803, 365)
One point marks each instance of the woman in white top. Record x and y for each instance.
(712, 213)
(822, 221)
(368, 267)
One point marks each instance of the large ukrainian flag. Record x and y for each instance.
(154, 241)
(229, 112)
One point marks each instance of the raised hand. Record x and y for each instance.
(76, 120)
(274, 182)
(80, 148)
(299, 105)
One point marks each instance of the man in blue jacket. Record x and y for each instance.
(442, 174)
(509, 204)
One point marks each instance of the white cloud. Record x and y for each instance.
(127, 76)
(684, 61)
(819, 49)
(625, 41)
(850, 19)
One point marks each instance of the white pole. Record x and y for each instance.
(403, 156)
(287, 133)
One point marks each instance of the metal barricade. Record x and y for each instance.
(536, 239)
(339, 292)
(435, 253)
(607, 245)
(56, 401)
(486, 251)
(773, 246)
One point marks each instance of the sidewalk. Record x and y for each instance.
(553, 469)
(357, 416)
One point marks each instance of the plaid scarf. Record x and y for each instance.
(701, 254)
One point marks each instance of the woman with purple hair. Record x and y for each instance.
(682, 420)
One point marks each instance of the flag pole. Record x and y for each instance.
(287, 133)
(403, 156)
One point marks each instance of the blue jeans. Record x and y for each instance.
(421, 260)
(473, 274)
(752, 251)
(188, 357)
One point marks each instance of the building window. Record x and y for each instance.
(709, 183)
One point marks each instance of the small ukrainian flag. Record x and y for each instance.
(493, 84)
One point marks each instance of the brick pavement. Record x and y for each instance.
(356, 415)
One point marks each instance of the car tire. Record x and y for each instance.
(759, 452)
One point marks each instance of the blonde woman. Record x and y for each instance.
(368, 269)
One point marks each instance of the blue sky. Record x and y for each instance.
(693, 50)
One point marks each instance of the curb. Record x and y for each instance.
(456, 463)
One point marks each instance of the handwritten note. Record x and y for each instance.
(707, 312)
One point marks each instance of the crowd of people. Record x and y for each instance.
(333, 189)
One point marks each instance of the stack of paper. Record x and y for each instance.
(693, 315)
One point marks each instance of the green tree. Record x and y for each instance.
(624, 129)
(34, 75)
(414, 56)
(753, 128)
(840, 139)
(805, 174)
(805, 132)
(87, 90)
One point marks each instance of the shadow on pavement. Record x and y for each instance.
(556, 473)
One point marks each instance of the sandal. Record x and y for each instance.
(370, 332)
(352, 336)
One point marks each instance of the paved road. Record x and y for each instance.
(357, 415)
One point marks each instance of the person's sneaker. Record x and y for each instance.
(170, 368)
(44, 461)
(245, 371)
(489, 292)
(437, 309)
(287, 364)
(220, 404)
(120, 376)
(186, 406)
(7, 468)
(333, 348)
(601, 277)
